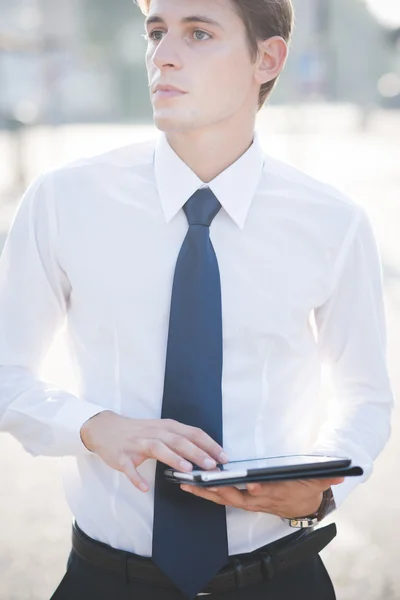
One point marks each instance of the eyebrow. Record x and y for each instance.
(192, 19)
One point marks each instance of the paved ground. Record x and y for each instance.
(363, 560)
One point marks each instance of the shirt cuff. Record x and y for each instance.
(343, 490)
(67, 426)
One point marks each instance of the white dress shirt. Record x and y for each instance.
(94, 245)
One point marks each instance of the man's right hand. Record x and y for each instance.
(124, 444)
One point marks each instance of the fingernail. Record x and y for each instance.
(213, 489)
(144, 487)
(223, 457)
(184, 488)
(209, 463)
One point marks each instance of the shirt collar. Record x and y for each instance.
(235, 187)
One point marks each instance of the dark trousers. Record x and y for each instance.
(308, 580)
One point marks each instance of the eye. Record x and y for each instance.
(201, 33)
(157, 34)
(154, 35)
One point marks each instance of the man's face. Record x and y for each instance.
(210, 62)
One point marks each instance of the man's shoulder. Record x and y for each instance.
(302, 186)
(95, 177)
(131, 156)
(320, 210)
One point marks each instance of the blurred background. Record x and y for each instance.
(73, 83)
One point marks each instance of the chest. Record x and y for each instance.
(121, 269)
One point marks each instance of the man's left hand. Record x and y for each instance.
(287, 499)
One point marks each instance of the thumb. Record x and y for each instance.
(337, 480)
(325, 484)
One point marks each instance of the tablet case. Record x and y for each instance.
(265, 475)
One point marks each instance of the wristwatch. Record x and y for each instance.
(327, 506)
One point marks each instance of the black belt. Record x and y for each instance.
(242, 569)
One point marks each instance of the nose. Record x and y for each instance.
(166, 54)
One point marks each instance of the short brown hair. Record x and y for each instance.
(263, 19)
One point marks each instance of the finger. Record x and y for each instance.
(203, 493)
(326, 483)
(201, 439)
(323, 484)
(225, 496)
(273, 489)
(276, 488)
(189, 451)
(241, 499)
(233, 496)
(132, 474)
(256, 489)
(154, 448)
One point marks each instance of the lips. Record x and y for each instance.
(167, 88)
(167, 93)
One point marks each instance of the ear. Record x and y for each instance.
(272, 55)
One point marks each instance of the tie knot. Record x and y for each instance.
(202, 207)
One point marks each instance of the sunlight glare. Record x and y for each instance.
(386, 11)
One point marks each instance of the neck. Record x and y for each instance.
(208, 152)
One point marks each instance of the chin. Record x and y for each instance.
(172, 123)
(169, 116)
(193, 119)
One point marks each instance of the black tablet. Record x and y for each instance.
(275, 468)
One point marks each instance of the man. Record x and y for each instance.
(189, 273)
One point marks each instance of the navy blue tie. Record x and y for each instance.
(189, 534)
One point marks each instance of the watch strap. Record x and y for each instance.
(328, 505)
(302, 522)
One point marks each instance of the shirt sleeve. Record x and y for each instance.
(34, 297)
(351, 329)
